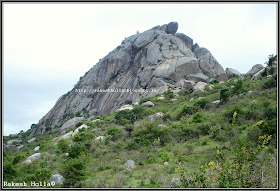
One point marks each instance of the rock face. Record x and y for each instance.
(37, 148)
(57, 178)
(257, 75)
(155, 116)
(198, 77)
(148, 104)
(254, 69)
(70, 124)
(71, 133)
(172, 28)
(31, 140)
(186, 84)
(126, 107)
(233, 72)
(152, 60)
(10, 142)
(130, 164)
(32, 158)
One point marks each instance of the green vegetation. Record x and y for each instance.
(229, 145)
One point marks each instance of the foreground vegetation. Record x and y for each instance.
(231, 144)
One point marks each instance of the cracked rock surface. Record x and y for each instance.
(154, 59)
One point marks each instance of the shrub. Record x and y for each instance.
(270, 112)
(214, 81)
(128, 101)
(215, 130)
(190, 131)
(48, 128)
(63, 145)
(168, 94)
(270, 82)
(224, 94)
(269, 127)
(125, 116)
(229, 111)
(148, 132)
(83, 136)
(78, 114)
(139, 112)
(71, 115)
(186, 110)
(144, 99)
(42, 174)
(201, 102)
(9, 171)
(78, 124)
(74, 170)
(129, 128)
(151, 160)
(198, 117)
(204, 128)
(76, 150)
(165, 156)
(89, 123)
(18, 158)
(237, 89)
(114, 132)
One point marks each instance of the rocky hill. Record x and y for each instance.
(153, 60)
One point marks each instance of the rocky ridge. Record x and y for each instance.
(155, 59)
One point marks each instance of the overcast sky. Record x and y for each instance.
(48, 47)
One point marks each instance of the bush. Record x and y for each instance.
(198, 117)
(238, 89)
(165, 156)
(74, 170)
(204, 129)
(269, 127)
(224, 94)
(129, 128)
(114, 132)
(190, 131)
(42, 174)
(78, 114)
(76, 150)
(144, 99)
(270, 82)
(201, 102)
(63, 145)
(89, 123)
(148, 132)
(129, 101)
(140, 112)
(9, 171)
(270, 112)
(78, 124)
(231, 109)
(215, 130)
(18, 158)
(125, 116)
(168, 94)
(214, 81)
(83, 136)
(186, 110)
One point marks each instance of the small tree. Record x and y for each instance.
(224, 94)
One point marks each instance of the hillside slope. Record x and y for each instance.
(222, 137)
(155, 59)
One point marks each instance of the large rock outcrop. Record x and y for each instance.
(155, 59)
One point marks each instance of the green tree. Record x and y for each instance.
(224, 94)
